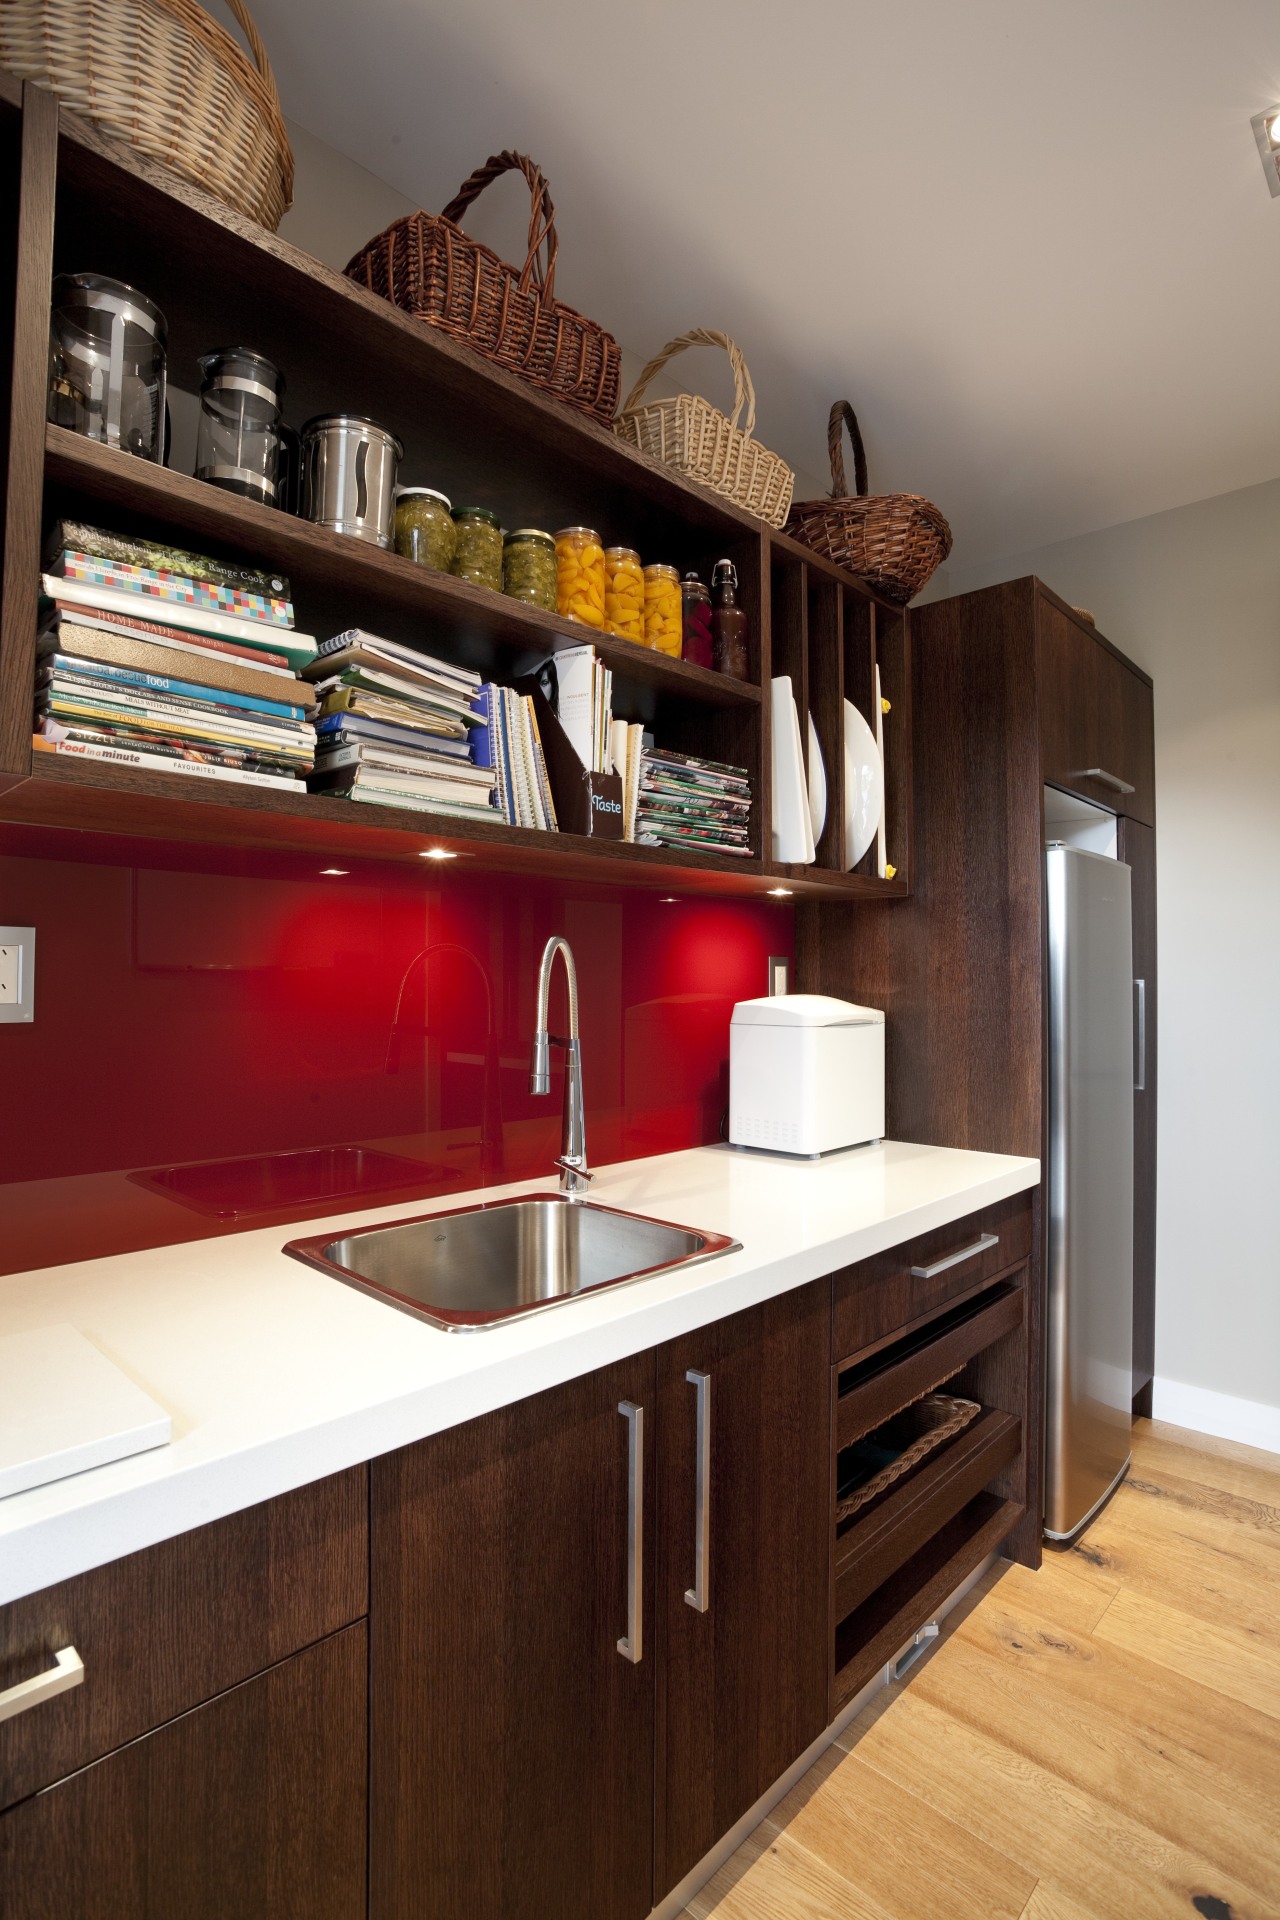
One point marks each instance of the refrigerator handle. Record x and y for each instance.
(1140, 1035)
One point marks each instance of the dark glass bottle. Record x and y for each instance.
(729, 649)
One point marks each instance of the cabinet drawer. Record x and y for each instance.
(162, 1630)
(884, 1296)
(253, 1806)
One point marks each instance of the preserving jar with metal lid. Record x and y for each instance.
(425, 531)
(239, 443)
(529, 567)
(662, 610)
(695, 621)
(349, 466)
(624, 594)
(477, 556)
(107, 364)
(580, 576)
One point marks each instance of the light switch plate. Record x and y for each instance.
(779, 973)
(17, 973)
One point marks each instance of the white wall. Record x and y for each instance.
(338, 206)
(1193, 596)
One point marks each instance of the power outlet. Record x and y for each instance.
(17, 973)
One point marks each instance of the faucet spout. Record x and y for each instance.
(574, 1177)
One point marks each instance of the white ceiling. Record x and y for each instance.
(1029, 239)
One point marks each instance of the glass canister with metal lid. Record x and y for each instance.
(478, 554)
(425, 531)
(107, 363)
(349, 466)
(580, 575)
(239, 443)
(624, 594)
(529, 568)
(662, 610)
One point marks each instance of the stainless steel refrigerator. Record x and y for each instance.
(1089, 1322)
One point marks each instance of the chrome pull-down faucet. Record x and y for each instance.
(574, 1177)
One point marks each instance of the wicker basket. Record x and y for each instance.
(924, 1426)
(894, 541)
(695, 438)
(163, 76)
(427, 265)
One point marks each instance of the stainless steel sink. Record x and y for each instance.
(480, 1266)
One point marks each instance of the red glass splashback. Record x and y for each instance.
(186, 1016)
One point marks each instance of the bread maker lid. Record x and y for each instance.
(804, 1010)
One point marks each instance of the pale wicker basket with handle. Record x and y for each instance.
(163, 76)
(702, 443)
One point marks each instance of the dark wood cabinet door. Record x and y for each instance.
(1070, 700)
(1096, 717)
(1138, 850)
(742, 1674)
(512, 1740)
(252, 1805)
(162, 1630)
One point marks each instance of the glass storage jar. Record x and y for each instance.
(107, 364)
(425, 531)
(695, 621)
(623, 594)
(239, 441)
(529, 568)
(580, 576)
(478, 555)
(662, 610)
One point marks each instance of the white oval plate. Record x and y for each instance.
(817, 784)
(863, 786)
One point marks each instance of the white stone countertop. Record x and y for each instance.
(276, 1375)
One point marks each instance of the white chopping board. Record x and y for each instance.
(65, 1407)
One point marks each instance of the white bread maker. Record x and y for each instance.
(806, 1074)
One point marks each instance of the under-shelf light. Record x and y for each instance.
(779, 893)
(437, 853)
(339, 872)
(1266, 131)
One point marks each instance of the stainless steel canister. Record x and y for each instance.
(349, 467)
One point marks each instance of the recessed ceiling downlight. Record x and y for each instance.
(1266, 131)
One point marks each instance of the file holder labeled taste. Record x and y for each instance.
(586, 802)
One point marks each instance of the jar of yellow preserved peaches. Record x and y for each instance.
(662, 610)
(623, 594)
(580, 576)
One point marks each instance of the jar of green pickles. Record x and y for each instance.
(424, 527)
(478, 555)
(529, 568)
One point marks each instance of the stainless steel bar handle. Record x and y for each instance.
(980, 1245)
(1140, 1077)
(67, 1671)
(1111, 780)
(631, 1645)
(699, 1594)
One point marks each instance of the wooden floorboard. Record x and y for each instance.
(1096, 1741)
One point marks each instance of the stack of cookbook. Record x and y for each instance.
(699, 804)
(510, 745)
(148, 656)
(396, 726)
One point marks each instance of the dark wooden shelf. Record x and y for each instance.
(470, 623)
(877, 1540)
(100, 798)
(879, 1629)
(467, 426)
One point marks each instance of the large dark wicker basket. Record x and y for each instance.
(894, 541)
(426, 264)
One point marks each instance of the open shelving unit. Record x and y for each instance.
(83, 202)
